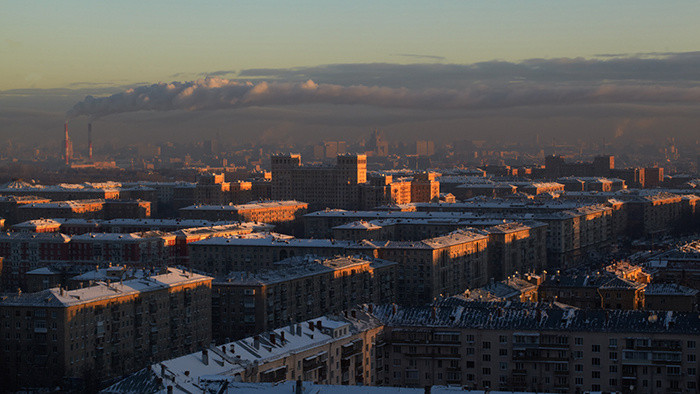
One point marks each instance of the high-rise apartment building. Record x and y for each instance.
(332, 186)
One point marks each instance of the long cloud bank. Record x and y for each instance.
(217, 93)
(670, 79)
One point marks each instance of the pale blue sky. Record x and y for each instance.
(49, 44)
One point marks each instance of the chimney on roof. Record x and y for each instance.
(256, 342)
(205, 357)
(298, 329)
(433, 312)
(170, 389)
(272, 338)
(319, 326)
(311, 326)
(353, 313)
(299, 389)
(281, 337)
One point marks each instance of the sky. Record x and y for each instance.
(51, 44)
(54, 53)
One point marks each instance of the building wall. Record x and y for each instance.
(102, 339)
(241, 310)
(553, 361)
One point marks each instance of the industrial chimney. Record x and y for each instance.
(68, 148)
(90, 141)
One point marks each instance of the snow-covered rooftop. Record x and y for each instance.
(299, 267)
(245, 207)
(57, 297)
(510, 315)
(225, 361)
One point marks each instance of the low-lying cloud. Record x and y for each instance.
(641, 79)
(218, 93)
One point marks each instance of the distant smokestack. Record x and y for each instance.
(90, 141)
(66, 142)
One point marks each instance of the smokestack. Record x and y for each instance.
(90, 141)
(66, 143)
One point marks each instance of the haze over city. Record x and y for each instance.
(349, 197)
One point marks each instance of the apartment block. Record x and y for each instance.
(25, 252)
(439, 266)
(534, 347)
(336, 350)
(56, 336)
(383, 189)
(63, 192)
(85, 209)
(10, 203)
(265, 211)
(680, 265)
(134, 209)
(447, 264)
(259, 251)
(670, 297)
(297, 289)
(602, 290)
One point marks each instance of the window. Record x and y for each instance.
(397, 362)
(502, 339)
(673, 370)
(595, 361)
(578, 354)
(595, 374)
(595, 348)
(486, 345)
(502, 352)
(579, 381)
(578, 341)
(613, 368)
(613, 355)
(503, 366)
(578, 367)
(613, 342)
(691, 344)
(486, 371)
(486, 357)
(470, 350)
(691, 371)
